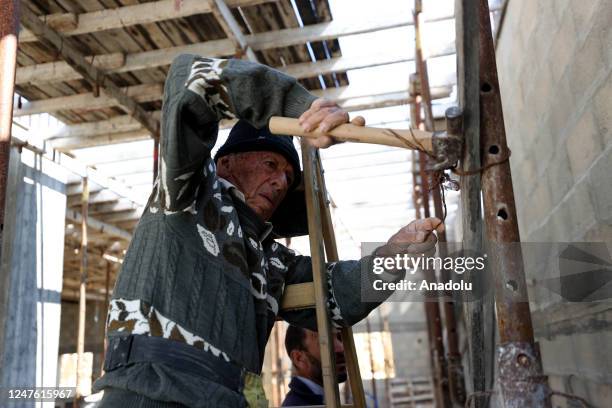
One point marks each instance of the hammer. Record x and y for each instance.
(444, 147)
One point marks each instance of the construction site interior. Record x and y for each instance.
(88, 89)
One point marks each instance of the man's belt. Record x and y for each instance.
(125, 350)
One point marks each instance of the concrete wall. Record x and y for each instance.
(32, 267)
(554, 62)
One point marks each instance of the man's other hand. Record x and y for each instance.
(415, 238)
(323, 116)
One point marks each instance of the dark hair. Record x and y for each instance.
(294, 339)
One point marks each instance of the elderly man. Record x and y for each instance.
(306, 386)
(202, 280)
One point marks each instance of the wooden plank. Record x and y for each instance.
(231, 27)
(97, 225)
(70, 143)
(70, 52)
(87, 101)
(127, 16)
(122, 123)
(298, 296)
(324, 31)
(62, 71)
(46, 72)
(154, 92)
(341, 64)
(384, 100)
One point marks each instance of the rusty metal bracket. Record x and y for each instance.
(448, 145)
(520, 378)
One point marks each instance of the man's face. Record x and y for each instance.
(313, 352)
(263, 177)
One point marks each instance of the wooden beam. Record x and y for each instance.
(154, 92)
(116, 134)
(126, 16)
(70, 52)
(122, 216)
(87, 101)
(70, 143)
(123, 129)
(75, 217)
(232, 29)
(61, 71)
(386, 99)
(117, 124)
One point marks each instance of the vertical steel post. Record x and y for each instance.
(9, 28)
(454, 366)
(519, 365)
(82, 290)
(431, 306)
(478, 315)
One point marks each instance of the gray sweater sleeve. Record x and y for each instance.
(198, 93)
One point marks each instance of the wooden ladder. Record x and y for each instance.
(314, 294)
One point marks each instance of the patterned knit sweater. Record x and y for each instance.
(200, 269)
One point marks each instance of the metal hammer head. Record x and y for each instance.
(448, 146)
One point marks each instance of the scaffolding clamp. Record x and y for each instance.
(448, 146)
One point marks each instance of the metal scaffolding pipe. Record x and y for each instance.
(9, 28)
(521, 378)
(454, 366)
(431, 306)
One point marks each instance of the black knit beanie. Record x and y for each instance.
(245, 138)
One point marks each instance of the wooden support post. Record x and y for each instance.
(82, 291)
(384, 328)
(328, 365)
(331, 250)
(454, 366)
(370, 352)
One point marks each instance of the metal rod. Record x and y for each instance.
(520, 368)
(328, 364)
(431, 306)
(9, 28)
(454, 366)
(82, 291)
(331, 250)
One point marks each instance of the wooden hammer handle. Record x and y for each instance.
(409, 139)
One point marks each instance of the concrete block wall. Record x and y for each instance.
(554, 62)
(555, 69)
